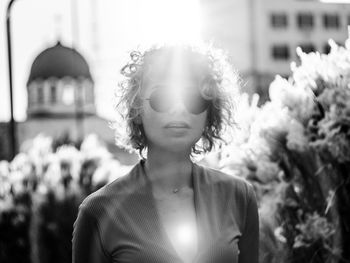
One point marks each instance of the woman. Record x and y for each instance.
(176, 102)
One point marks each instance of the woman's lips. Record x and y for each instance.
(177, 125)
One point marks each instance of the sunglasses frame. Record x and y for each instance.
(206, 104)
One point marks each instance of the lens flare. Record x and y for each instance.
(170, 21)
(186, 237)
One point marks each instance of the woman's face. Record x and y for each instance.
(176, 128)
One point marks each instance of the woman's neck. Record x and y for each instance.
(168, 170)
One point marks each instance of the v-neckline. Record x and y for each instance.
(197, 205)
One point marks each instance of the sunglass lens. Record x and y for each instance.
(196, 104)
(159, 101)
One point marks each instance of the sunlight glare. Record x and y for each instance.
(185, 234)
(167, 21)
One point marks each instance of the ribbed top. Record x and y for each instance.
(120, 223)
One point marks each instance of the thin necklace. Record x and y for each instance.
(175, 190)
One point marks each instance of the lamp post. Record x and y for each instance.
(12, 120)
(13, 129)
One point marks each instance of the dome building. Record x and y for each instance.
(60, 84)
(61, 102)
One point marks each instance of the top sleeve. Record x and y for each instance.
(249, 241)
(86, 241)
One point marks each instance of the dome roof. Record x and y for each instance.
(59, 61)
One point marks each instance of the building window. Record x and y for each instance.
(68, 97)
(40, 94)
(79, 94)
(32, 94)
(326, 48)
(305, 20)
(331, 21)
(89, 94)
(53, 93)
(285, 76)
(280, 52)
(279, 20)
(307, 48)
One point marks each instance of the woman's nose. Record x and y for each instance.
(178, 105)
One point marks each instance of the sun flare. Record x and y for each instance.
(170, 21)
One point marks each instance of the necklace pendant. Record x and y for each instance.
(175, 190)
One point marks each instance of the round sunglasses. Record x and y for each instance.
(161, 101)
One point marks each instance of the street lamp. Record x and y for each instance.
(12, 120)
(13, 130)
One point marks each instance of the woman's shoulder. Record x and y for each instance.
(214, 175)
(113, 193)
(239, 186)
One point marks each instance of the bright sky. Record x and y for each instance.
(105, 31)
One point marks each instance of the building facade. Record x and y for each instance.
(60, 91)
(261, 36)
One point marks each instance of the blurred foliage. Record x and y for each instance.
(294, 149)
(40, 192)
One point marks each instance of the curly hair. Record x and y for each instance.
(219, 82)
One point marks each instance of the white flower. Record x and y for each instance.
(298, 99)
(278, 234)
(20, 160)
(4, 168)
(267, 171)
(17, 178)
(70, 155)
(272, 119)
(6, 204)
(109, 171)
(91, 142)
(52, 176)
(296, 138)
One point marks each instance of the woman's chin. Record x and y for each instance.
(176, 145)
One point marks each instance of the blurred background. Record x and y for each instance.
(59, 68)
(66, 55)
